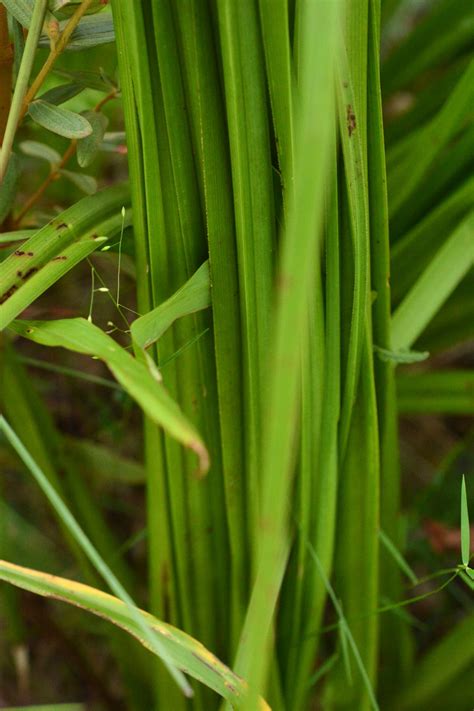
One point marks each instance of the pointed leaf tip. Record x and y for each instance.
(465, 530)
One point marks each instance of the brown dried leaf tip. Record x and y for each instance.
(351, 120)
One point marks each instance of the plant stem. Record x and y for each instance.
(53, 175)
(58, 49)
(6, 67)
(15, 113)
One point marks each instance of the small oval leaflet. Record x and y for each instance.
(59, 120)
(35, 149)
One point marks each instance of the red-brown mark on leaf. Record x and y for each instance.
(29, 273)
(8, 293)
(283, 282)
(351, 120)
(207, 664)
(59, 258)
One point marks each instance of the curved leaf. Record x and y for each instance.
(184, 652)
(81, 336)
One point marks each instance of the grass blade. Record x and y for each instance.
(181, 650)
(84, 543)
(433, 287)
(465, 530)
(299, 266)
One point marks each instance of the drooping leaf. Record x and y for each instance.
(86, 183)
(59, 120)
(193, 296)
(465, 530)
(184, 652)
(88, 147)
(81, 336)
(35, 149)
(69, 522)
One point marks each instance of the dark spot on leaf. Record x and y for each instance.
(59, 258)
(30, 254)
(29, 273)
(19, 274)
(8, 293)
(207, 664)
(351, 120)
(62, 226)
(94, 236)
(19, 253)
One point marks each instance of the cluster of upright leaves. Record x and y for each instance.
(289, 382)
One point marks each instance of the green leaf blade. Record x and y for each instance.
(59, 120)
(81, 336)
(465, 530)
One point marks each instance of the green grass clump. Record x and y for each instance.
(289, 254)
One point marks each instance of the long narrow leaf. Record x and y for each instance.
(56, 248)
(465, 530)
(433, 287)
(84, 337)
(183, 651)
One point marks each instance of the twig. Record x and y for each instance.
(56, 169)
(56, 50)
(6, 66)
(15, 113)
